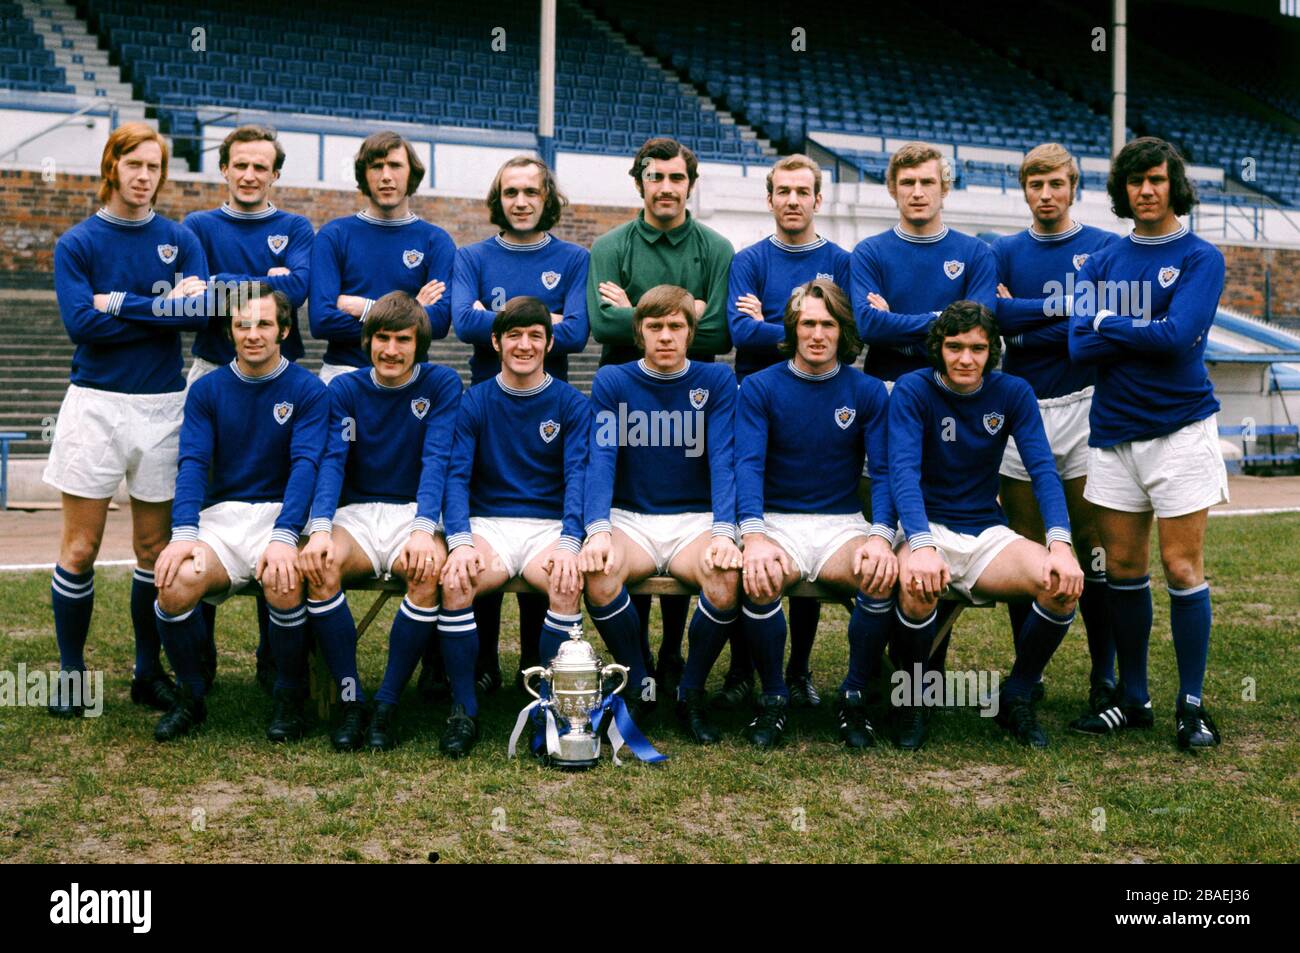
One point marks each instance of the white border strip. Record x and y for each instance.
(1260, 512)
(31, 567)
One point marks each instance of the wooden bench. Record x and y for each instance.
(325, 693)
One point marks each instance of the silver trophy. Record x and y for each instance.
(575, 676)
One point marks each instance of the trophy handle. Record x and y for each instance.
(528, 673)
(610, 669)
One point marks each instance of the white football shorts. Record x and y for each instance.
(517, 540)
(969, 554)
(662, 535)
(1173, 475)
(1065, 419)
(238, 533)
(810, 539)
(330, 371)
(380, 529)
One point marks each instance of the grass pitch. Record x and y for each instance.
(102, 790)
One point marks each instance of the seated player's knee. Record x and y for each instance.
(880, 593)
(565, 603)
(915, 605)
(457, 598)
(722, 588)
(331, 583)
(284, 601)
(425, 594)
(182, 595)
(601, 588)
(1060, 606)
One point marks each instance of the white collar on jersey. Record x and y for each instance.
(374, 378)
(529, 392)
(531, 246)
(803, 375)
(248, 216)
(108, 216)
(391, 223)
(921, 239)
(938, 379)
(648, 371)
(279, 369)
(1173, 236)
(817, 242)
(1070, 232)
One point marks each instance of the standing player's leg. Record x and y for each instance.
(1021, 507)
(487, 667)
(1126, 540)
(711, 626)
(917, 614)
(612, 610)
(150, 531)
(1182, 553)
(72, 588)
(805, 615)
(673, 611)
(1093, 603)
(533, 607)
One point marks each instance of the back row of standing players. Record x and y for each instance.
(1151, 427)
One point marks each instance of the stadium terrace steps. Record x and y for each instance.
(35, 356)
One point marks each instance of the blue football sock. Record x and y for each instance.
(805, 614)
(870, 626)
(742, 663)
(917, 637)
(289, 646)
(489, 638)
(939, 656)
(1040, 637)
(182, 636)
(533, 607)
(710, 629)
(673, 611)
(73, 597)
(1189, 620)
(209, 613)
(557, 627)
(1096, 621)
(148, 648)
(458, 637)
(263, 628)
(764, 627)
(408, 641)
(336, 638)
(620, 627)
(642, 605)
(1129, 605)
(1018, 611)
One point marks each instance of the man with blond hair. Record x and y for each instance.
(121, 418)
(1034, 268)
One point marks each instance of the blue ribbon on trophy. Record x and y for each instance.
(623, 731)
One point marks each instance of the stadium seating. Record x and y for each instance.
(25, 63)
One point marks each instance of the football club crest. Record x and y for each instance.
(993, 423)
(277, 243)
(1079, 260)
(953, 269)
(1168, 275)
(411, 258)
(550, 279)
(823, 275)
(699, 397)
(549, 429)
(844, 416)
(283, 411)
(420, 407)
(167, 253)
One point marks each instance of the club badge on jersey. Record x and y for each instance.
(1079, 260)
(550, 279)
(1168, 275)
(167, 253)
(549, 429)
(411, 258)
(420, 407)
(699, 397)
(993, 423)
(844, 416)
(953, 269)
(283, 411)
(277, 243)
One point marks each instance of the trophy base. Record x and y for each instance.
(555, 762)
(578, 751)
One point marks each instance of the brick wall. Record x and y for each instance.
(34, 213)
(1244, 284)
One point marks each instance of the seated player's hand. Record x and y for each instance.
(597, 554)
(354, 305)
(420, 558)
(1062, 576)
(1003, 291)
(613, 295)
(876, 565)
(877, 301)
(700, 307)
(317, 557)
(750, 305)
(169, 561)
(556, 319)
(723, 554)
(100, 302)
(462, 568)
(189, 286)
(277, 568)
(562, 566)
(764, 568)
(926, 574)
(278, 271)
(431, 293)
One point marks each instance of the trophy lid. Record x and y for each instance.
(576, 654)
